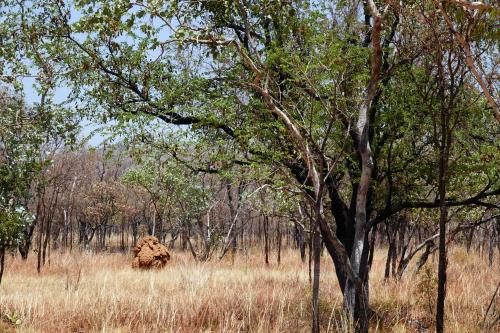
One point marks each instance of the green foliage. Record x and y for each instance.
(169, 186)
(12, 223)
(13, 318)
(23, 132)
(147, 63)
(19, 164)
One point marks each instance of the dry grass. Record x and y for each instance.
(101, 293)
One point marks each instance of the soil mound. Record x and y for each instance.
(150, 253)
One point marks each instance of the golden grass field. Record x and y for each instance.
(101, 293)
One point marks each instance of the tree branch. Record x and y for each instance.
(475, 200)
(469, 59)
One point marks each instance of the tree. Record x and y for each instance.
(12, 223)
(21, 135)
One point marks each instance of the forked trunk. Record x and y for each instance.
(356, 299)
(356, 292)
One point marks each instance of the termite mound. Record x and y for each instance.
(150, 253)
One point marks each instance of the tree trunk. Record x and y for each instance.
(24, 248)
(356, 297)
(266, 239)
(387, 272)
(372, 247)
(122, 236)
(391, 238)
(425, 255)
(39, 248)
(491, 247)
(299, 239)
(355, 304)
(279, 241)
(444, 151)
(443, 216)
(315, 285)
(2, 263)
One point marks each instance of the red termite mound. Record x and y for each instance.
(150, 253)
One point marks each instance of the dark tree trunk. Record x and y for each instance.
(184, 239)
(278, 229)
(266, 239)
(443, 216)
(491, 247)
(429, 248)
(28, 233)
(2, 263)
(70, 236)
(444, 151)
(24, 248)
(387, 272)
(122, 236)
(310, 254)
(39, 248)
(391, 237)
(470, 236)
(135, 231)
(299, 239)
(372, 247)
(315, 286)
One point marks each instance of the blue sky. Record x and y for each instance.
(60, 96)
(61, 93)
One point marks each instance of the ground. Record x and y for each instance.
(102, 293)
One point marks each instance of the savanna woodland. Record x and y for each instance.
(287, 166)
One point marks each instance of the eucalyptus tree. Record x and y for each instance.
(314, 88)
